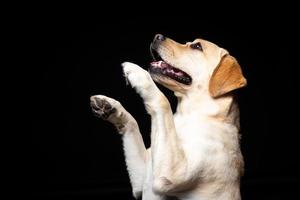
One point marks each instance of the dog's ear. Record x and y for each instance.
(226, 77)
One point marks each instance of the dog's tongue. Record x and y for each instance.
(160, 64)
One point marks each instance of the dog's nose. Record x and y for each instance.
(159, 37)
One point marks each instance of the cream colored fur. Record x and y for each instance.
(194, 153)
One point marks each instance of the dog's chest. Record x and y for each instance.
(188, 130)
(189, 126)
(194, 132)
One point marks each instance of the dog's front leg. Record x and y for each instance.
(168, 159)
(134, 148)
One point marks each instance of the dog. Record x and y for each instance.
(195, 153)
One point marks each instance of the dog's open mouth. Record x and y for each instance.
(162, 68)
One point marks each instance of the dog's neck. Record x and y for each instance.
(222, 109)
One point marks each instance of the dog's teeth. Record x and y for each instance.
(155, 64)
(163, 64)
(160, 63)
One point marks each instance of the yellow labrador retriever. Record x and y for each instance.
(195, 152)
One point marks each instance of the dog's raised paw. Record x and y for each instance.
(102, 106)
(129, 67)
(139, 79)
(136, 76)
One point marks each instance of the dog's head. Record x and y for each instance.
(195, 65)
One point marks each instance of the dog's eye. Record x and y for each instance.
(197, 46)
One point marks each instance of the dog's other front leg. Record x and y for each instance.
(134, 148)
(168, 159)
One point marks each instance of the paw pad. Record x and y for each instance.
(101, 107)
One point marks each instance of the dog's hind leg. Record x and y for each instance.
(134, 148)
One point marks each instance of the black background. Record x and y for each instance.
(73, 154)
